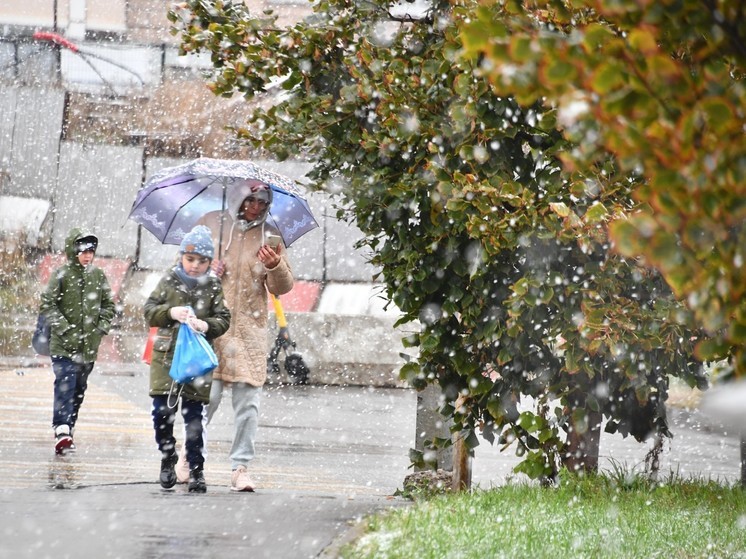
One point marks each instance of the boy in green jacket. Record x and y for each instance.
(187, 296)
(79, 305)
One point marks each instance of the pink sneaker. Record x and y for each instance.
(240, 480)
(182, 467)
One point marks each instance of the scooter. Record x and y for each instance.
(296, 369)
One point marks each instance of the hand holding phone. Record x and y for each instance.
(272, 240)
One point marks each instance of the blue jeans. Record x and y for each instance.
(70, 384)
(163, 422)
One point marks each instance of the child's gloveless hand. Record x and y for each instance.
(180, 314)
(197, 324)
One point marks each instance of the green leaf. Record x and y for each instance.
(720, 115)
(410, 372)
(504, 357)
(664, 250)
(481, 32)
(559, 72)
(534, 465)
(626, 237)
(711, 350)
(531, 422)
(462, 84)
(521, 287)
(595, 36)
(607, 78)
(738, 333)
(292, 80)
(572, 364)
(546, 295)
(596, 213)
(521, 49)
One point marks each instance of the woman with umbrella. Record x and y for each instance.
(253, 262)
(240, 202)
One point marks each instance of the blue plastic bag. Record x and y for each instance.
(193, 356)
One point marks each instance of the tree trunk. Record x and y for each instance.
(583, 443)
(653, 457)
(743, 460)
(461, 466)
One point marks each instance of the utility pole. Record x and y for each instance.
(430, 424)
(76, 22)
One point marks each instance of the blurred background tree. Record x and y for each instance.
(660, 86)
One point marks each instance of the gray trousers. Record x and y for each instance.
(245, 398)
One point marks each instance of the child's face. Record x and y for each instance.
(194, 265)
(85, 258)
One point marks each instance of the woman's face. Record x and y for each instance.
(194, 265)
(253, 207)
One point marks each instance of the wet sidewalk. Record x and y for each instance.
(326, 457)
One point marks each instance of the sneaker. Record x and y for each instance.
(182, 467)
(168, 473)
(240, 480)
(63, 442)
(197, 481)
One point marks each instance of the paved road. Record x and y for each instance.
(327, 456)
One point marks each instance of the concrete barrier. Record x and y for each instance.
(339, 349)
(346, 349)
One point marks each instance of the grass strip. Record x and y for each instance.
(589, 517)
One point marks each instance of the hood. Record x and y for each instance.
(73, 236)
(239, 191)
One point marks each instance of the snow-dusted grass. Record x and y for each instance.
(593, 518)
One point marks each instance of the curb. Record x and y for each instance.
(334, 549)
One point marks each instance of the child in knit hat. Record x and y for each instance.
(186, 297)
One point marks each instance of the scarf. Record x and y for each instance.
(185, 278)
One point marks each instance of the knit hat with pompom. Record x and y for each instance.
(198, 241)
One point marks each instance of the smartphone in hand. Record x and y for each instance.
(272, 240)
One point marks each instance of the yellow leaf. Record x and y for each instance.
(644, 41)
(560, 208)
(663, 68)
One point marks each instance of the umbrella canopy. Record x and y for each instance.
(171, 202)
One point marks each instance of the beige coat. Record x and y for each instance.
(242, 351)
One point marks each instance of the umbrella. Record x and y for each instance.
(171, 202)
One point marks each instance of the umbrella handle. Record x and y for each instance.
(222, 220)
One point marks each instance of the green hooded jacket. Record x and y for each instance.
(79, 304)
(206, 299)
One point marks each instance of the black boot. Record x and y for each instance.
(168, 470)
(197, 481)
